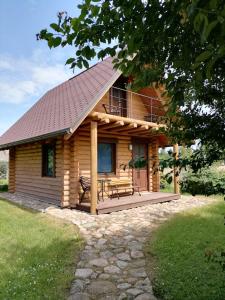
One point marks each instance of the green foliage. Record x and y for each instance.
(38, 254)
(3, 187)
(3, 169)
(177, 255)
(205, 182)
(179, 44)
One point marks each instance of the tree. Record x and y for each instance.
(175, 43)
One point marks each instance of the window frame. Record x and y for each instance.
(113, 143)
(45, 148)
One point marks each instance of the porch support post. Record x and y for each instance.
(94, 191)
(175, 177)
(154, 167)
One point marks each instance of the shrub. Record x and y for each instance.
(4, 188)
(207, 182)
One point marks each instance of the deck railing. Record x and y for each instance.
(134, 105)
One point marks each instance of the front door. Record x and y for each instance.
(140, 175)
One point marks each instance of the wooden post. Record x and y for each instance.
(65, 199)
(94, 192)
(154, 165)
(176, 178)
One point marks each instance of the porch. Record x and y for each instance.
(127, 202)
(105, 143)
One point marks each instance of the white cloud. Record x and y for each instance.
(22, 79)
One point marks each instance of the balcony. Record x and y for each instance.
(124, 103)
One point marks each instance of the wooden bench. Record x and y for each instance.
(122, 186)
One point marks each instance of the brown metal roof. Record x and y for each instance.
(62, 109)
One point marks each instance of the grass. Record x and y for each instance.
(38, 254)
(177, 255)
(3, 181)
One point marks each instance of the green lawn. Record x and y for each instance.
(37, 254)
(3, 181)
(177, 255)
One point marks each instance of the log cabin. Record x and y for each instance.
(85, 131)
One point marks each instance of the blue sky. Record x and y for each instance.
(28, 68)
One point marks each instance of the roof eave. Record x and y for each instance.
(35, 139)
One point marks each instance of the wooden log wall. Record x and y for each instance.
(83, 154)
(28, 173)
(12, 170)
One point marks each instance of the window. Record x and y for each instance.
(106, 157)
(48, 160)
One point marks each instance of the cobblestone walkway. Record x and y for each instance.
(112, 264)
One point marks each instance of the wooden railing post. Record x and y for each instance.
(175, 176)
(94, 191)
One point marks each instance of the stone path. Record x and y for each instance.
(112, 264)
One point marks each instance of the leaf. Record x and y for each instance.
(56, 41)
(56, 27)
(86, 64)
(70, 61)
(204, 56)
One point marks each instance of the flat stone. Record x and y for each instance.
(138, 263)
(131, 280)
(145, 296)
(123, 256)
(101, 241)
(79, 296)
(122, 296)
(77, 286)
(98, 262)
(121, 264)
(106, 254)
(104, 276)
(83, 273)
(136, 254)
(135, 246)
(101, 287)
(138, 273)
(108, 297)
(112, 269)
(134, 291)
(123, 286)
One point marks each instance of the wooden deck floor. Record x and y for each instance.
(126, 202)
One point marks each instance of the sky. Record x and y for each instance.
(28, 68)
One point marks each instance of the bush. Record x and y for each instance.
(3, 169)
(4, 188)
(207, 182)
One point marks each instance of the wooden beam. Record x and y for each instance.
(113, 125)
(138, 129)
(175, 170)
(94, 191)
(99, 116)
(128, 126)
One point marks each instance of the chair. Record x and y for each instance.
(112, 109)
(85, 183)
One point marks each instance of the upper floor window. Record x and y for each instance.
(48, 160)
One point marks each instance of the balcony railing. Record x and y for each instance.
(133, 105)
